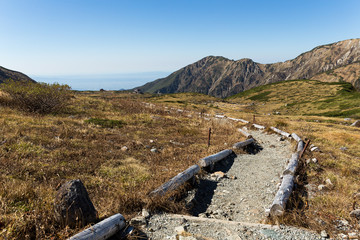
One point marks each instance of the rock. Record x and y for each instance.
(322, 187)
(145, 213)
(308, 161)
(154, 150)
(281, 139)
(124, 148)
(151, 141)
(347, 119)
(314, 149)
(73, 206)
(356, 124)
(218, 175)
(356, 196)
(342, 236)
(180, 230)
(324, 234)
(355, 214)
(329, 183)
(314, 160)
(343, 148)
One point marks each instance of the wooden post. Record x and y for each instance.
(176, 181)
(306, 145)
(209, 137)
(254, 118)
(103, 229)
(207, 161)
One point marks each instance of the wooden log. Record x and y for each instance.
(219, 116)
(285, 134)
(300, 146)
(103, 229)
(295, 137)
(242, 120)
(258, 126)
(243, 132)
(243, 143)
(282, 196)
(204, 162)
(176, 181)
(293, 163)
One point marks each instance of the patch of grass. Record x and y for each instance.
(261, 96)
(105, 123)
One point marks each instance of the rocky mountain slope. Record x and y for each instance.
(6, 74)
(222, 77)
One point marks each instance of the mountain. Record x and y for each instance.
(222, 77)
(6, 74)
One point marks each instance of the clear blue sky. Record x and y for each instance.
(101, 37)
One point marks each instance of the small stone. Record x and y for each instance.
(355, 214)
(343, 148)
(124, 148)
(329, 183)
(322, 187)
(314, 160)
(151, 141)
(180, 230)
(347, 119)
(356, 196)
(308, 161)
(154, 150)
(233, 177)
(314, 149)
(145, 213)
(218, 175)
(324, 234)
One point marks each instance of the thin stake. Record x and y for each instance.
(306, 145)
(253, 118)
(209, 137)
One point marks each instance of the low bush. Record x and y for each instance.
(42, 98)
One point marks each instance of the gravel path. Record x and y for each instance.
(250, 183)
(230, 202)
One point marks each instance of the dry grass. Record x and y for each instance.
(38, 153)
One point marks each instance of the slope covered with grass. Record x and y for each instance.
(302, 97)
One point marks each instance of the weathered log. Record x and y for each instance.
(243, 143)
(176, 181)
(219, 116)
(242, 120)
(258, 126)
(293, 163)
(300, 146)
(204, 162)
(282, 196)
(103, 229)
(295, 137)
(243, 132)
(285, 134)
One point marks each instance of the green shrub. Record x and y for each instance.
(105, 123)
(39, 98)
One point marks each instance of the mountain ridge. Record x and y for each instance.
(222, 77)
(6, 74)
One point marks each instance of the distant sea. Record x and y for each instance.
(95, 82)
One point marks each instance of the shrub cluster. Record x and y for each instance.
(39, 98)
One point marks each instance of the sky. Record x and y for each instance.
(125, 43)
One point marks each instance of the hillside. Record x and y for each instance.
(222, 77)
(6, 74)
(302, 97)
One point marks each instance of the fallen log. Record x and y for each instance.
(207, 161)
(258, 126)
(285, 134)
(300, 146)
(282, 196)
(295, 137)
(244, 143)
(103, 229)
(243, 132)
(293, 163)
(176, 181)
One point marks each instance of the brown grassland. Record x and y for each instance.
(40, 152)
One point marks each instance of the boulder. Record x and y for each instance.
(73, 206)
(355, 214)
